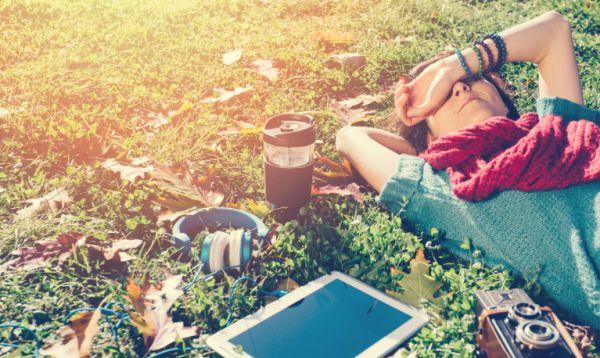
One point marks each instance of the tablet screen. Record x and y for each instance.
(336, 320)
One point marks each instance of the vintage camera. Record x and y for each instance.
(510, 324)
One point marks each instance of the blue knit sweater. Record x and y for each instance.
(556, 231)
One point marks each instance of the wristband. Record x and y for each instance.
(479, 59)
(463, 63)
(501, 46)
(488, 52)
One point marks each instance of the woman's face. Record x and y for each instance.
(467, 103)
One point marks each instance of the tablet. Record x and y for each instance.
(333, 316)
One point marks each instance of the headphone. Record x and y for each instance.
(220, 249)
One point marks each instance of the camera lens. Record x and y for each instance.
(523, 311)
(537, 334)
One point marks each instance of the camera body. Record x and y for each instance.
(510, 324)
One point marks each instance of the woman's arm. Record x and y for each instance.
(546, 41)
(373, 152)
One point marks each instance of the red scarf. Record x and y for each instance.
(527, 154)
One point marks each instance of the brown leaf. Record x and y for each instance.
(40, 255)
(351, 189)
(52, 202)
(150, 315)
(127, 172)
(224, 95)
(77, 337)
(121, 245)
(362, 101)
(287, 284)
(266, 69)
(348, 116)
(231, 56)
(336, 173)
(186, 192)
(152, 120)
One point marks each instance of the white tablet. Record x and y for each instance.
(333, 316)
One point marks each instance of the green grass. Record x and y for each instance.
(81, 71)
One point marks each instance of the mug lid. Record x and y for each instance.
(290, 130)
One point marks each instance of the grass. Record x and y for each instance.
(81, 71)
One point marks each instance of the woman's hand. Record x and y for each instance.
(430, 89)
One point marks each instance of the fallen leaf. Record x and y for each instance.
(187, 194)
(349, 116)
(287, 284)
(266, 69)
(231, 56)
(127, 172)
(351, 189)
(77, 337)
(352, 61)
(224, 95)
(362, 101)
(115, 250)
(418, 285)
(336, 173)
(402, 39)
(241, 128)
(150, 314)
(152, 120)
(5, 112)
(40, 255)
(52, 202)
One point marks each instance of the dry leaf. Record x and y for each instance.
(241, 128)
(362, 101)
(150, 315)
(352, 61)
(40, 255)
(77, 337)
(187, 194)
(127, 172)
(351, 189)
(231, 56)
(336, 173)
(417, 284)
(115, 250)
(224, 95)
(52, 202)
(288, 285)
(266, 69)
(349, 116)
(152, 120)
(5, 112)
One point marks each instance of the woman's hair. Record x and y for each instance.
(416, 135)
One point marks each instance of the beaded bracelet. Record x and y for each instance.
(463, 63)
(480, 60)
(488, 51)
(501, 50)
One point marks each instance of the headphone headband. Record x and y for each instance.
(187, 227)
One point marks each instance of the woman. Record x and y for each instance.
(553, 235)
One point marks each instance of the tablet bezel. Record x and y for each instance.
(221, 344)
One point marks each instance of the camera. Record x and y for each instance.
(510, 324)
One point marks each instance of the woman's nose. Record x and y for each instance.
(459, 88)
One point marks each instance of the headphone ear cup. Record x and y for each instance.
(235, 248)
(217, 251)
(206, 249)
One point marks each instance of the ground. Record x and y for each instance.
(82, 82)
